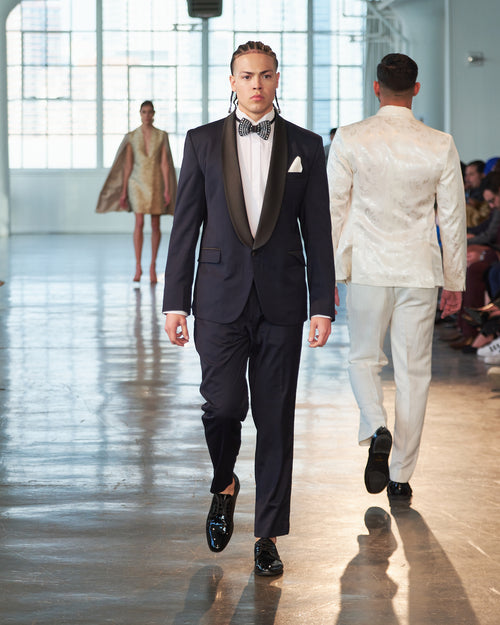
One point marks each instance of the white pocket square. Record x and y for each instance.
(296, 166)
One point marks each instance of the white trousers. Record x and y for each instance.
(410, 314)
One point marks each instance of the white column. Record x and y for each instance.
(6, 7)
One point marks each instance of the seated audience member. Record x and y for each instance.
(477, 209)
(482, 252)
(488, 317)
(474, 175)
(486, 235)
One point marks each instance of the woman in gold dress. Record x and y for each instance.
(142, 179)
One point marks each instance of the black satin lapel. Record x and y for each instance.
(275, 186)
(232, 182)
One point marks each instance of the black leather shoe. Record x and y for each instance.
(267, 559)
(219, 528)
(399, 492)
(377, 467)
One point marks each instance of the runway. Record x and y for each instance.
(104, 473)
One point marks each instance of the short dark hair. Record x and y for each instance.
(147, 103)
(397, 72)
(491, 182)
(479, 165)
(253, 46)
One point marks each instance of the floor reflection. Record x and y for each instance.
(366, 589)
(201, 595)
(258, 603)
(436, 592)
(212, 599)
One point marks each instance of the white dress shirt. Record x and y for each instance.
(254, 155)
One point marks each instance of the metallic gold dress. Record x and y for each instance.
(145, 185)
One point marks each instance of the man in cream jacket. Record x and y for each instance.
(391, 179)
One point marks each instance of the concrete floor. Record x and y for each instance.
(104, 474)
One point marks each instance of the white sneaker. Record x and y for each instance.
(491, 348)
(493, 359)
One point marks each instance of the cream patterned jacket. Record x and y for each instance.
(387, 174)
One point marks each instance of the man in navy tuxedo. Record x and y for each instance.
(257, 186)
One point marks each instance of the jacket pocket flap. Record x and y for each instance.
(209, 255)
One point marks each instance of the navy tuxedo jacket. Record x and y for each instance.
(295, 219)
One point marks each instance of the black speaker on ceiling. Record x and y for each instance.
(204, 8)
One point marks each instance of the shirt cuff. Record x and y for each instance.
(176, 312)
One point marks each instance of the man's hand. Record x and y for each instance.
(451, 303)
(176, 328)
(320, 330)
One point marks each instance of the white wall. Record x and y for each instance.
(473, 93)
(63, 201)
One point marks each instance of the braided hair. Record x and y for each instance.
(253, 46)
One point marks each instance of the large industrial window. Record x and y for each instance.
(78, 70)
(51, 72)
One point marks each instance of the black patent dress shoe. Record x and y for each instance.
(267, 559)
(399, 493)
(219, 528)
(377, 467)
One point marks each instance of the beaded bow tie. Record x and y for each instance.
(263, 129)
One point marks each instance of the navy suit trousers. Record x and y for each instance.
(271, 354)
